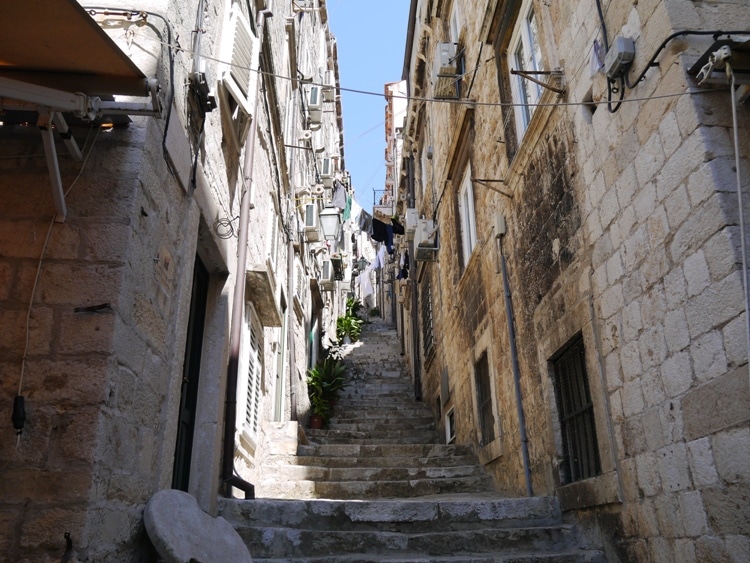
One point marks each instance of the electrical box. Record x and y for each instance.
(500, 226)
(619, 57)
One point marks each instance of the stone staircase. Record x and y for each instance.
(379, 485)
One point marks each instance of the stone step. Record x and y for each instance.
(401, 488)
(323, 473)
(393, 435)
(393, 461)
(375, 440)
(273, 488)
(471, 529)
(384, 450)
(572, 556)
(382, 423)
(394, 405)
(457, 512)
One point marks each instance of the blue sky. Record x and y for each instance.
(371, 38)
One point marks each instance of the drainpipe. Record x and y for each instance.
(516, 370)
(238, 304)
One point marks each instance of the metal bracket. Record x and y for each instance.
(527, 74)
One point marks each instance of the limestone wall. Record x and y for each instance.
(621, 230)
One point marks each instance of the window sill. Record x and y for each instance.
(596, 491)
(491, 451)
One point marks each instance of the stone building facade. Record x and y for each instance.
(152, 349)
(576, 309)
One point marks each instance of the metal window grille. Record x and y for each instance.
(254, 374)
(580, 448)
(484, 399)
(427, 329)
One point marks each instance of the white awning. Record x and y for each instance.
(55, 59)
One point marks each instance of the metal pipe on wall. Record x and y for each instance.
(238, 304)
(516, 371)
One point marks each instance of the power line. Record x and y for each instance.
(475, 103)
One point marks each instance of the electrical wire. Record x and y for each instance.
(740, 203)
(446, 101)
(39, 269)
(652, 61)
(171, 49)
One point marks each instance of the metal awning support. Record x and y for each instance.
(50, 103)
(44, 123)
(527, 74)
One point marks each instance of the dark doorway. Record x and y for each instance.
(190, 375)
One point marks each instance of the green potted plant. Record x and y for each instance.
(349, 327)
(324, 381)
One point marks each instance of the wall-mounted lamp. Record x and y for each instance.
(330, 222)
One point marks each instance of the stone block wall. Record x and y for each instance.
(623, 231)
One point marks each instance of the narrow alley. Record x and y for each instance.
(380, 483)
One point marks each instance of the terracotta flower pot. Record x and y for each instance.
(316, 422)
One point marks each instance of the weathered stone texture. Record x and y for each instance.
(651, 224)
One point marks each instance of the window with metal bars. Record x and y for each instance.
(484, 400)
(580, 448)
(427, 329)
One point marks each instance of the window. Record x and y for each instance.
(427, 334)
(450, 426)
(580, 449)
(252, 357)
(484, 400)
(239, 52)
(524, 54)
(467, 217)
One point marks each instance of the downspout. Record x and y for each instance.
(238, 304)
(291, 349)
(414, 289)
(516, 370)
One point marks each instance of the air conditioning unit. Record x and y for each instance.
(312, 224)
(327, 171)
(240, 49)
(326, 275)
(445, 72)
(315, 104)
(426, 241)
(329, 86)
(410, 222)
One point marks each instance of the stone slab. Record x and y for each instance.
(182, 533)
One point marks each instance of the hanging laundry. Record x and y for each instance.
(365, 283)
(365, 222)
(389, 239)
(379, 231)
(398, 228)
(339, 195)
(347, 209)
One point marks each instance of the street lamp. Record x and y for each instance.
(330, 222)
(362, 264)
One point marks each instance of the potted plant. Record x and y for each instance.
(324, 381)
(349, 327)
